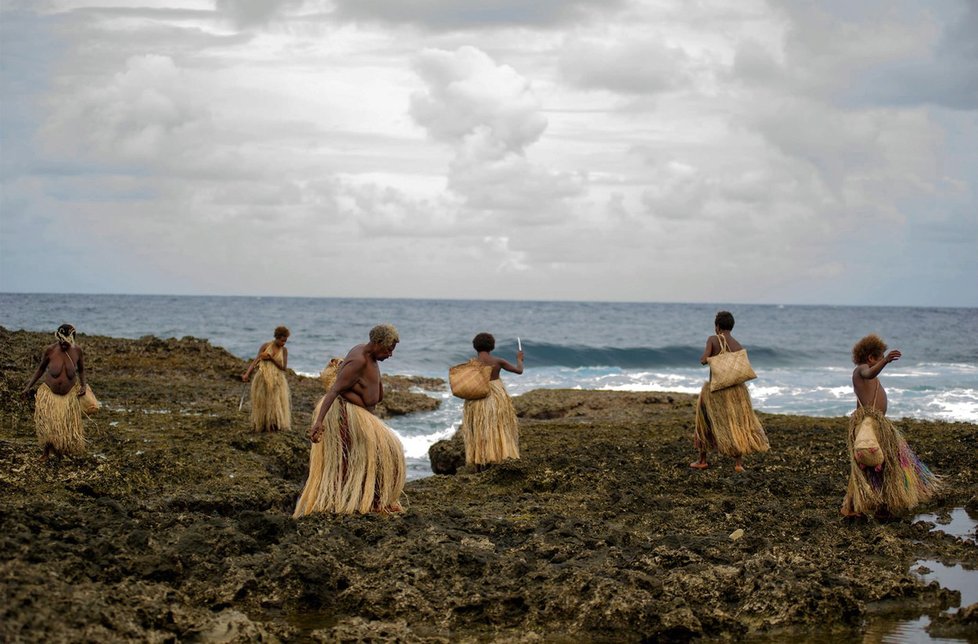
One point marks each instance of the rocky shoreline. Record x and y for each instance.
(176, 524)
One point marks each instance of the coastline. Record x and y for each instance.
(176, 523)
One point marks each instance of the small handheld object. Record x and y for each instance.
(519, 345)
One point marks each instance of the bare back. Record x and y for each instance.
(713, 346)
(498, 364)
(869, 391)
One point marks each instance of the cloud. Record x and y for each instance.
(473, 14)
(254, 13)
(641, 64)
(467, 93)
(148, 113)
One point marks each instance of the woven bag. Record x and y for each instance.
(729, 368)
(89, 403)
(866, 447)
(470, 380)
(328, 374)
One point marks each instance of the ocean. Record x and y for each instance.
(801, 353)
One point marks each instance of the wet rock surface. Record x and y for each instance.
(176, 523)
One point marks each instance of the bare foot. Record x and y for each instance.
(699, 465)
(738, 468)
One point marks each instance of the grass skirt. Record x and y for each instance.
(57, 420)
(357, 467)
(489, 427)
(270, 406)
(902, 481)
(726, 423)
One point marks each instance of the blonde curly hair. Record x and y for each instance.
(384, 335)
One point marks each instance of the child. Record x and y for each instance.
(885, 476)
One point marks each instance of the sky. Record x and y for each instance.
(612, 150)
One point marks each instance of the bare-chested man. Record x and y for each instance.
(356, 462)
(57, 411)
(885, 476)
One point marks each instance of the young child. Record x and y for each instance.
(885, 476)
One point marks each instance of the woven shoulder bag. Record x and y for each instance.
(729, 368)
(470, 380)
(89, 403)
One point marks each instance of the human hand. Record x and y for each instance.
(316, 432)
(519, 356)
(893, 355)
(244, 377)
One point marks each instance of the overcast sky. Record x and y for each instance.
(680, 151)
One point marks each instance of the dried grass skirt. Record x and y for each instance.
(357, 467)
(489, 427)
(726, 423)
(900, 484)
(270, 406)
(58, 421)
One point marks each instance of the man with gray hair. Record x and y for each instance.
(356, 462)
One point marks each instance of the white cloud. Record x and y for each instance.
(581, 150)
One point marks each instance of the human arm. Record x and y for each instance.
(45, 359)
(709, 351)
(254, 363)
(517, 369)
(868, 372)
(80, 366)
(349, 374)
(285, 360)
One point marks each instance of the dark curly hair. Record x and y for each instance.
(872, 346)
(484, 342)
(282, 332)
(724, 321)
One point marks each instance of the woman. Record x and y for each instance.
(270, 406)
(57, 407)
(885, 476)
(489, 426)
(725, 421)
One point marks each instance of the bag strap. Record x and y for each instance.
(724, 347)
(876, 392)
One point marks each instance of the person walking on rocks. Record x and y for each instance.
(489, 426)
(885, 476)
(725, 420)
(57, 403)
(271, 409)
(356, 462)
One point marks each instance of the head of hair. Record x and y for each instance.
(282, 332)
(65, 333)
(724, 321)
(484, 342)
(384, 335)
(872, 346)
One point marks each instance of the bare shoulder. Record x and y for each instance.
(355, 358)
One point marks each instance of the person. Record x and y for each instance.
(57, 406)
(271, 409)
(725, 420)
(895, 481)
(489, 428)
(356, 462)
